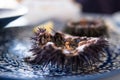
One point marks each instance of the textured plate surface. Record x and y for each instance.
(15, 45)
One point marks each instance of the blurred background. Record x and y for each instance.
(100, 6)
(40, 10)
(23, 13)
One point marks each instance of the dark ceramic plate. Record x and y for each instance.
(15, 44)
(7, 14)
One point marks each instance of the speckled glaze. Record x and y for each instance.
(15, 44)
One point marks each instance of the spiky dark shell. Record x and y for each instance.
(53, 54)
(91, 28)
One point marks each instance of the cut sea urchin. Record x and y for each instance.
(66, 52)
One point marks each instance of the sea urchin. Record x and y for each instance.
(66, 52)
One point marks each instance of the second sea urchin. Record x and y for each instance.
(89, 28)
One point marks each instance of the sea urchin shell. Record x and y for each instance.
(89, 28)
(65, 51)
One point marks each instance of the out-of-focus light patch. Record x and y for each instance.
(18, 11)
(47, 9)
(8, 4)
(18, 22)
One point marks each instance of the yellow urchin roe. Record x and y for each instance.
(48, 26)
